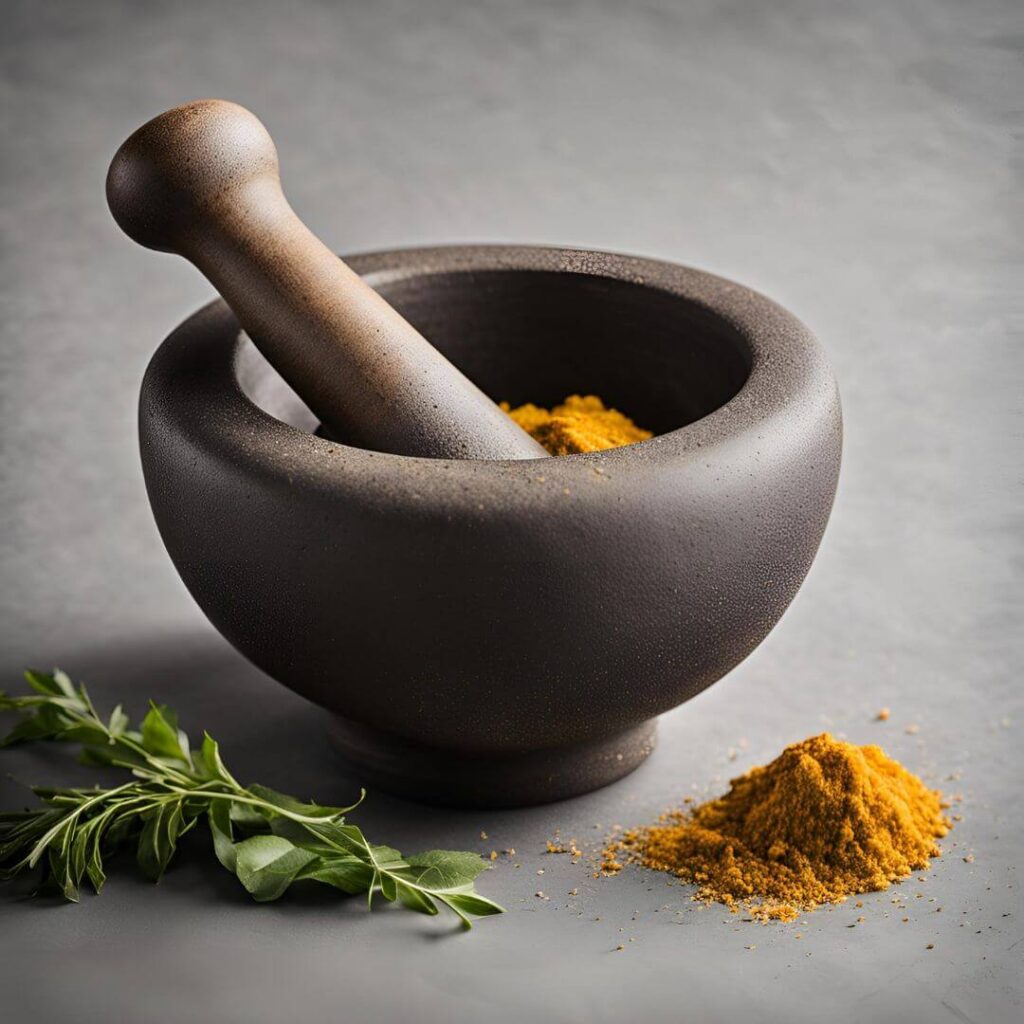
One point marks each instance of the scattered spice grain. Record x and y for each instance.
(570, 848)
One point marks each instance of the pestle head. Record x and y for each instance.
(168, 175)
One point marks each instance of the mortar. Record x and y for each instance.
(499, 633)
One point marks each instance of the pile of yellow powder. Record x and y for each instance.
(581, 423)
(824, 821)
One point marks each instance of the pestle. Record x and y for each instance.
(202, 181)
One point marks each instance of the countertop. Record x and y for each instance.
(853, 161)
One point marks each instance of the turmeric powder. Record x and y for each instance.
(825, 820)
(579, 424)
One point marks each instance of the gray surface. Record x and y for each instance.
(855, 162)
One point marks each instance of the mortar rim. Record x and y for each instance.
(787, 364)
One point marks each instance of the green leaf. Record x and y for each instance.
(332, 840)
(284, 802)
(338, 837)
(79, 852)
(414, 899)
(299, 834)
(118, 723)
(208, 763)
(442, 870)
(94, 861)
(98, 757)
(386, 857)
(21, 830)
(60, 872)
(248, 818)
(45, 724)
(46, 684)
(160, 734)
(349, 874)
(219, 818)
(333, 837)
(65, 685)
(467, 904)
(87, 733)
(122, 828)
(267, 865)
(159, 838)
(388, 886)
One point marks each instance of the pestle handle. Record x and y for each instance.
(202, 181)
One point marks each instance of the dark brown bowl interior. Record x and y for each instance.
(537, 336)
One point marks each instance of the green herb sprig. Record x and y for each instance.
(268, 839)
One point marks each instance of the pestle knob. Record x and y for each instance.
(202, 181)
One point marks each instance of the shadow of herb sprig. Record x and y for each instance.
(269, 840)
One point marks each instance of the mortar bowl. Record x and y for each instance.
(498, 633)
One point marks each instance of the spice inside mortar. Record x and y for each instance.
(582, 423)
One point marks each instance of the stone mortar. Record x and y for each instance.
(494, 633)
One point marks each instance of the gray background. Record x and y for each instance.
(854, 161)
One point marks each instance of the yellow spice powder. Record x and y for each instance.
(825, 820)
(582, 423)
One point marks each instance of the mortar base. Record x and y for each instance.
(383, 761)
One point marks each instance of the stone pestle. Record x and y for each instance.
(202, 181)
